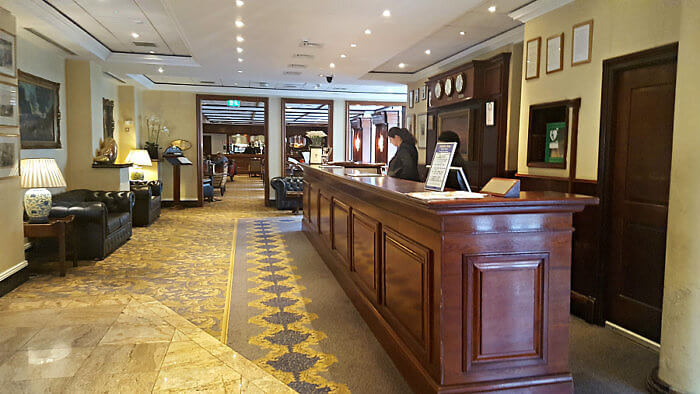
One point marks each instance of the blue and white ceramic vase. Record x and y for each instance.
(37, 203)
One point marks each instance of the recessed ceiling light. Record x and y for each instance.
(332, 65)
(151, 52)
(386, 13)
(320, 75)
(239, 50)
(160, 70)
(427, 51)
(240, 71)
(401, 65)
(492, 8)
(342, 55)
(461, 33)
(240, 38)
(240, 60)
(368, 31)
(239, 23)
(239, 3)
(353, 45)
(135, 35)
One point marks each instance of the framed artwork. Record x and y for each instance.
(410, 98)
(39, 114)
(555, 53)
(422, 130)
(532, 58)
(107, 119)
(581, 43)
(8, 54)
(423, 92)
(9, 113)
(9, 155)
(416, 94)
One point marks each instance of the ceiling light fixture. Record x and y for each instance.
(240, 38)
(320, 75)
(151, 52)
(342, 55)
(239, 3)
(386, 13)
(368, 31)
(240, 60)
(461, 33)
(239, 49)
(239, 23)
(401, 65)
(240, 71)
(160, 70)
(427, 51)
(353, 45)
(332, 65)
(135, 35)
(492, 9)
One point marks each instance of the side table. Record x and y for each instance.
(58, 228)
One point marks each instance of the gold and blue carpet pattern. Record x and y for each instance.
(287, 334)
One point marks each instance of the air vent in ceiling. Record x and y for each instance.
(50, 41)
(296, 65)
(207, 82)
(303, 55)
(264, 84)
(309, 44)
(292, 73)
(144, 44)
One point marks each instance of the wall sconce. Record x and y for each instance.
(380, 142)
(128, 124)
(358, 143)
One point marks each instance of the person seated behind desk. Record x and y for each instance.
(404, 164)
(457, 160)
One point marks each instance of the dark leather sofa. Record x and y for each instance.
(148, 199)
(282, 186)
(102, 219)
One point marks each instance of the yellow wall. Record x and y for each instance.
(620, 27)
(11, 231)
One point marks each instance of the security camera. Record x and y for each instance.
(329, 78)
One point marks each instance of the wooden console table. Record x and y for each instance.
(465, 295)
(58, 228)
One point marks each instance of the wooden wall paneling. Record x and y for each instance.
(306, 202)
(340, 236)
(366, 255)
(324, 216)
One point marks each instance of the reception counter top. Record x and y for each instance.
(465, 295)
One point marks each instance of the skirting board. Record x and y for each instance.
(13, 277)
(634, 337)
(10, 271)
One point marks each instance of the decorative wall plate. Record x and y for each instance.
(459, 83)
(448, 87)
(438, 90)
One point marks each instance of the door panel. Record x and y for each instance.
(642, 136)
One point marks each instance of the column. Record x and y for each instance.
(679, 357)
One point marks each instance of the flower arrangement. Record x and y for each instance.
(316, 137)
(155, 127)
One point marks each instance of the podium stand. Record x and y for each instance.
(177, 161)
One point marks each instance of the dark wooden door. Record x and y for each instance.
(206, 145)
(642, 133)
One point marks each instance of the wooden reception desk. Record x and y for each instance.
(464, 295)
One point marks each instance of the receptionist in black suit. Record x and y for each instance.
(457, 160)
(404, 164)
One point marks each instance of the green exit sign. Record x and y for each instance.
(233, 103)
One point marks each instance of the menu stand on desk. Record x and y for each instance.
(177, 161)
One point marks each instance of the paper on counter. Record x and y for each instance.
(455, 195)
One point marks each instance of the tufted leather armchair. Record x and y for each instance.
(147, 206)
(283, 186)
(102, 219)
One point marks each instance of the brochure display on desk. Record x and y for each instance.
(440, 166)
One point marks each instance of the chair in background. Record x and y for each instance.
(255, 168)
(218, 180)
(148, 199)
(289, 192)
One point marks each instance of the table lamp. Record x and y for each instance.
(138, 157)
(37, 175)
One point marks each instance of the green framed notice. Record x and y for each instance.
(555, 148)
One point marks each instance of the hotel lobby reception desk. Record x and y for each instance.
(464, 295)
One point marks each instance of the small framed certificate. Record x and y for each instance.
(581, 43)
(490, 113)
(555, 53)
(316, 156)
(440, 166)
(532, 58)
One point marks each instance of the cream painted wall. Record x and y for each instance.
(38, 58)
(126, 110)
(12, 231)
(339, 128)
(217, 142)
(620, 27)
(178, 111)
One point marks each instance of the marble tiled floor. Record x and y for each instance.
(116, 343)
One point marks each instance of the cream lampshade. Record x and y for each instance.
(138, 157)
(37, 175)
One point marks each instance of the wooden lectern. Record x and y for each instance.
(177, 161)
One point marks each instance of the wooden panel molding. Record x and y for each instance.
(365, 254)
(324, 216)
(341, 231)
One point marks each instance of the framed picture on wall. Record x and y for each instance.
(9, 113)
(417, 95)
(39, 114)
(410, 98)
(422, 130)
(8, 54)
(532, 58)
(411, 123)
(555, 53)
(9, 155)
(581, 42)
(423, 92)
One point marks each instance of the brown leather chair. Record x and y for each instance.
(218, 180)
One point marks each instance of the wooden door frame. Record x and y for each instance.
(200, 161)
(611, 67)
(348, 138)
(286, 100)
